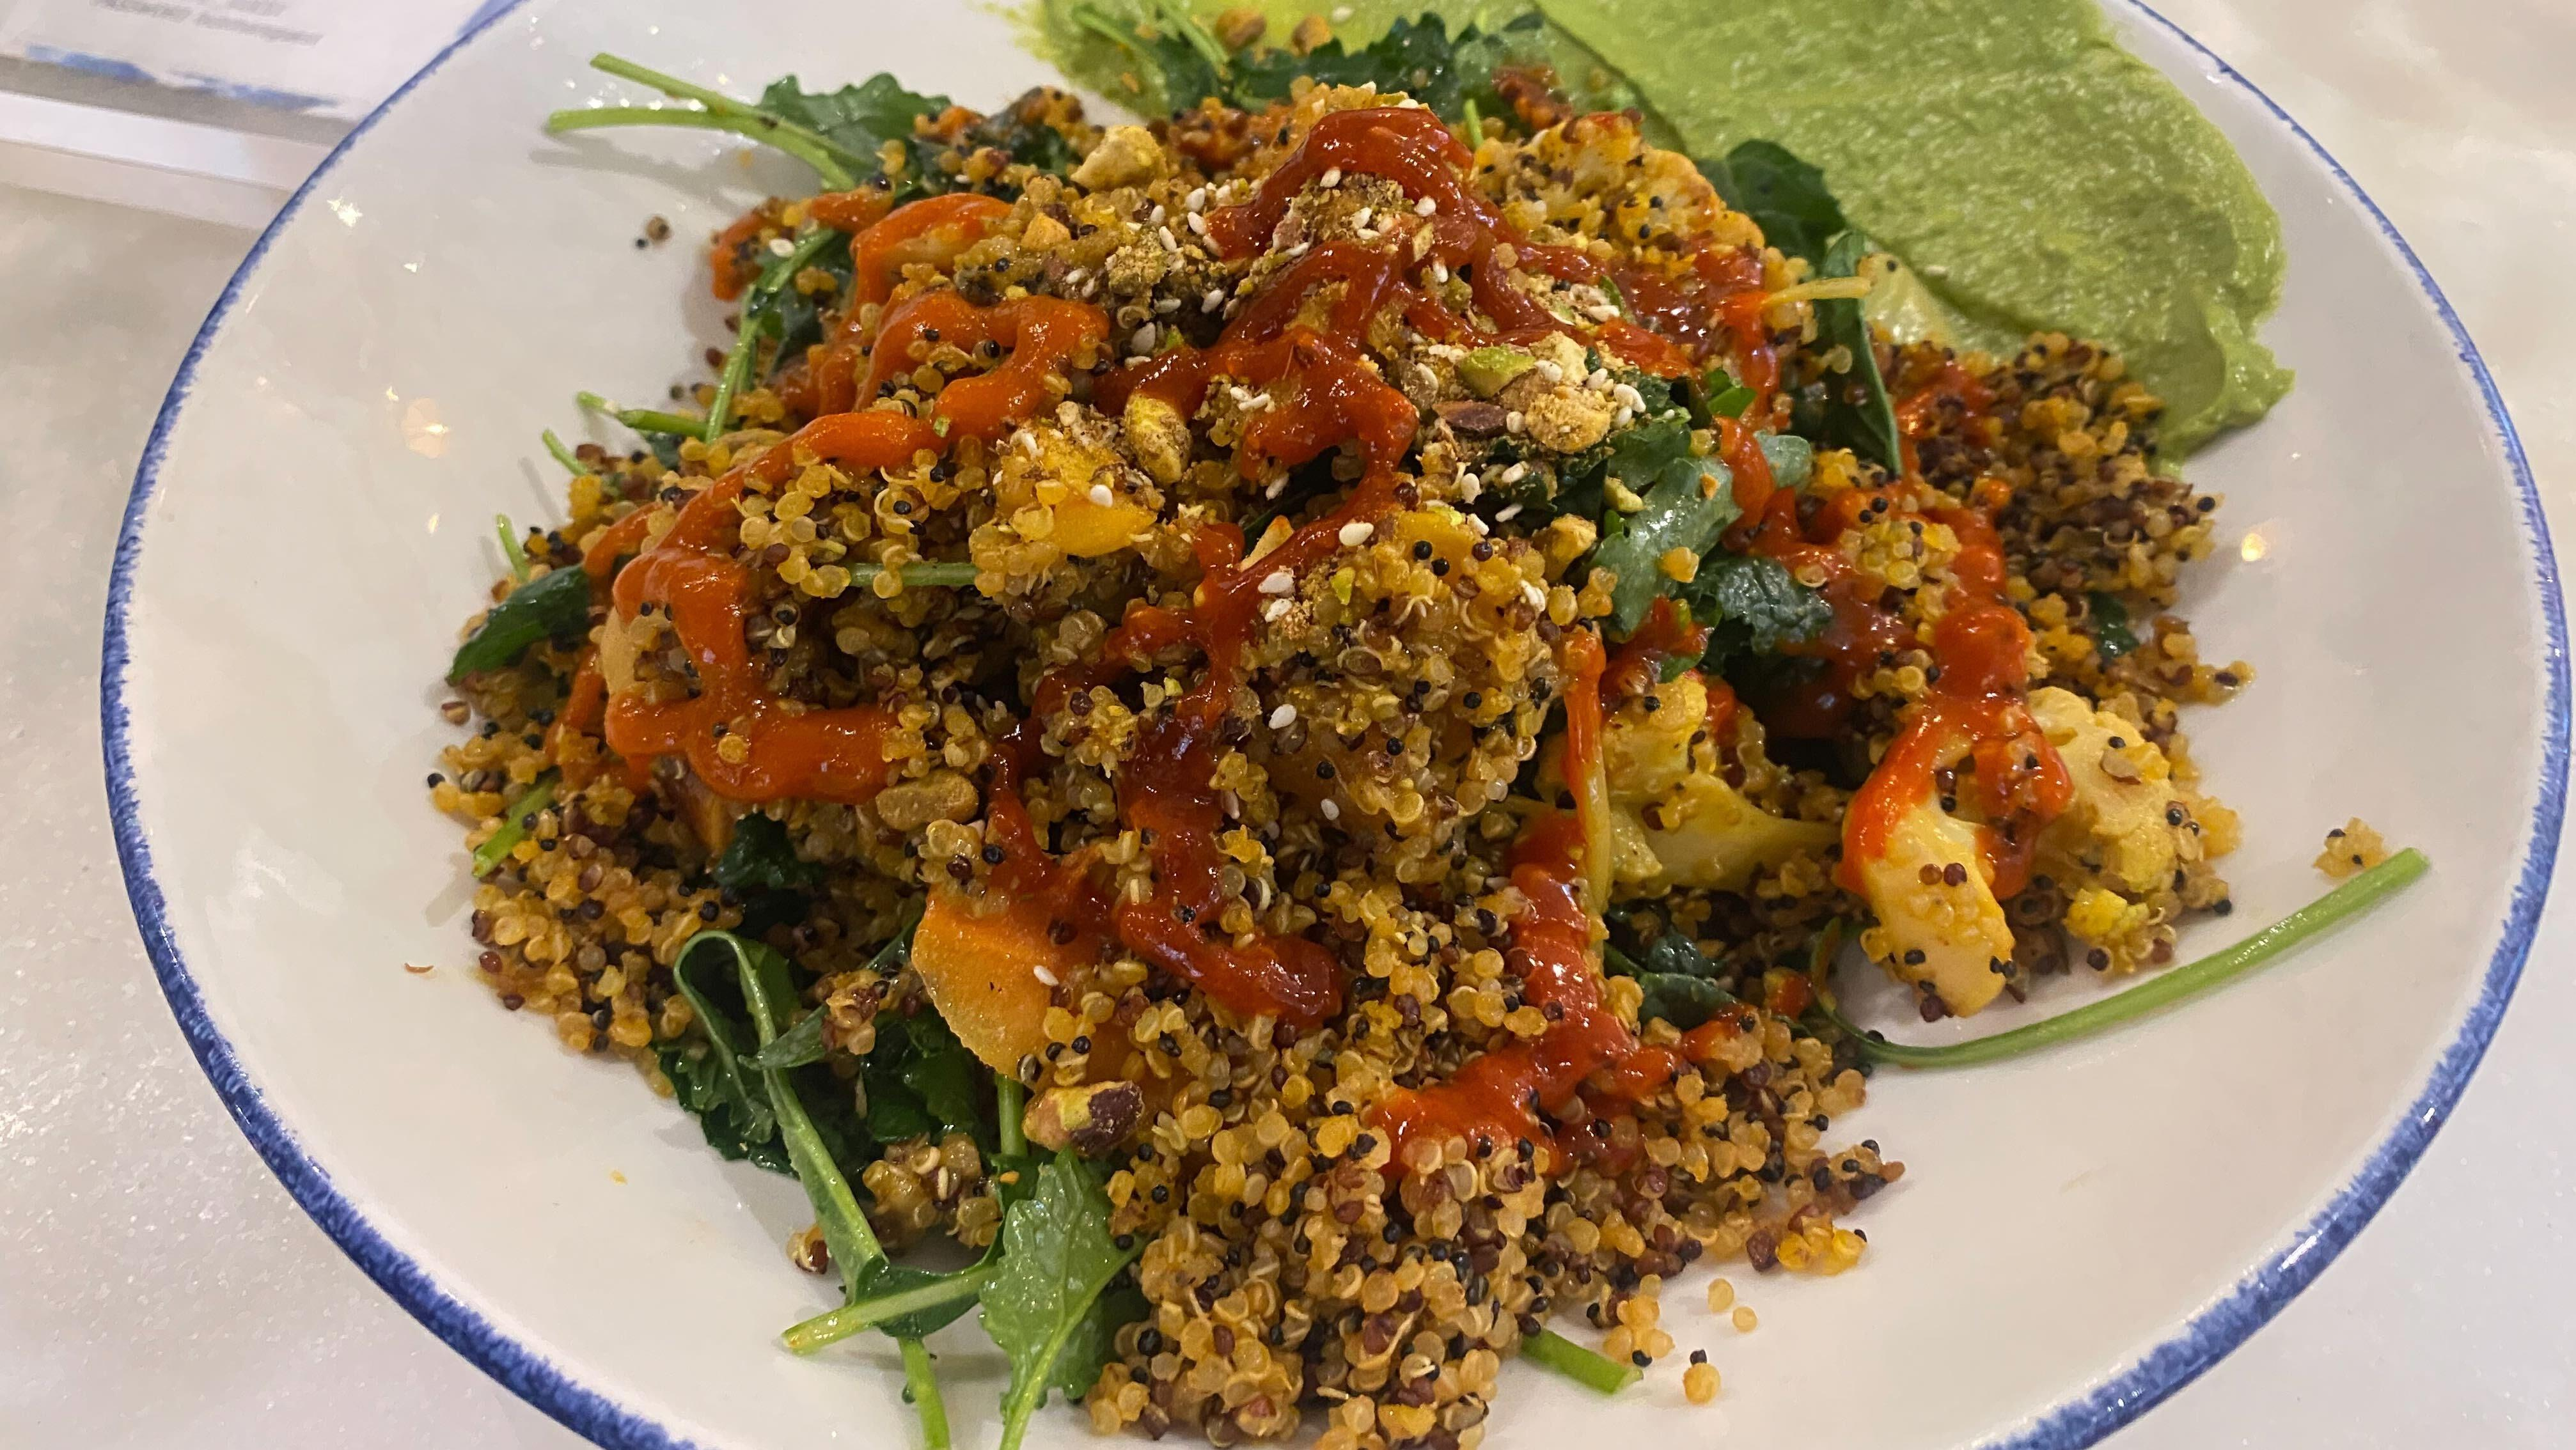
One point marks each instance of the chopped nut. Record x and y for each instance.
(942, 795)
(1090, 1119)
(1240, 27)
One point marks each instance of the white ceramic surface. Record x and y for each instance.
(311, 525)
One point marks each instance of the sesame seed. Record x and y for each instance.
(1196, 200)
(1360, 218)
(1212, 301)
(1509, 513)
(1278, 581)
(781, 247)
(1356, 533)
(1515, 473)
(1514, 422)
(1428, 206)
(1142, 344)
(1332, 812)
(1101, 495)
(1276, 610)
(1167, 305)
(1198, 223)
(1041, 973)
(1535, 595)
(1332, 177)
(1283, 717)
(1601, 312)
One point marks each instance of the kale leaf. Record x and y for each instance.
(1415, 56)
(760, 858)
(1792, 459)
(1784, 196)
(920, 1079)
(1688, 504)
(2112, 635)
(859, 119)
(1752, 606)
(710, 1075)
(1045, 1304)
(864, 117)
(1689, 501)
(760, 867)
(762, 976)
(555, 606)
(1176, 61)
(1678, 980)
(705, 1088)
(1797, 212)
(800, 314)
(1857, 413)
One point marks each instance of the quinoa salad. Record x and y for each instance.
(1274, 722)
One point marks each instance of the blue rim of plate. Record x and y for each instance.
(2084, 1420)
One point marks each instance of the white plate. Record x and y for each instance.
(2080, 1232)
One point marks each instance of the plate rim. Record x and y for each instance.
(2215, 1330)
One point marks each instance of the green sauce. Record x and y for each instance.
(2031, 174)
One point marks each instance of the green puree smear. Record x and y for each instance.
(2030, 173)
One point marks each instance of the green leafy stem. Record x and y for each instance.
(767, 995)
(515, 817)
(836, 165)
(759, 316)
(2357, 895)
(644, 420)
(1551, 1350)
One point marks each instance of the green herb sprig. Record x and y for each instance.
(2354, 896)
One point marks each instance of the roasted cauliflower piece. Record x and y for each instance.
(1938, 920)
(1674, 819)
(2125, 825)
(1126, 156)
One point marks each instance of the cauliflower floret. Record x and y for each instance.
(1938, 920)
(1597, 173)
(1676, 822)
(2124, 825)
(1716, 838)
(1126, 156)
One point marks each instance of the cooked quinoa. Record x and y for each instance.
(1346, 804)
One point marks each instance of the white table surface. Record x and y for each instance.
(158, 1288)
